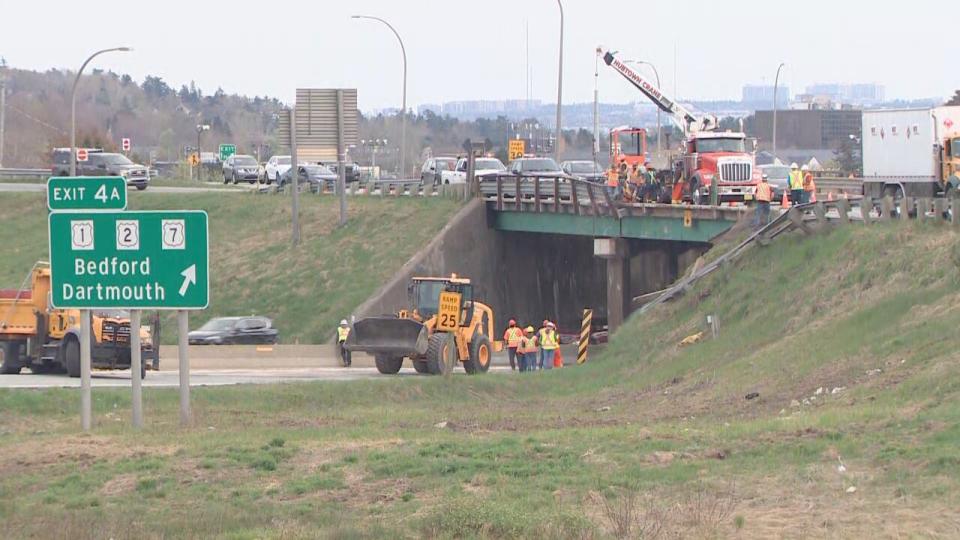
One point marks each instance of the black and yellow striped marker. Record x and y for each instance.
(585, 335)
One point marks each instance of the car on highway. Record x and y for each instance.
(241, 167)
(431, 173)
(351, 171)
(483, 166)
(537, 166)
(61, 160)
(275, 167)
(110, 164)
(234, 331)
(778, 176)
(314, 175)
(590, 171)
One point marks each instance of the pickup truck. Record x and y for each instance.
(483, 166)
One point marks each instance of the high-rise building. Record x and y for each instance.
(761, 95)
(855, 94)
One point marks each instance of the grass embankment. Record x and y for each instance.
(646, 438)
(254, 270)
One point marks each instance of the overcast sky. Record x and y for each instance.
(476, 50)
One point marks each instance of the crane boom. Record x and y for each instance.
(687, 120)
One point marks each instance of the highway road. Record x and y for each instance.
(26, 187)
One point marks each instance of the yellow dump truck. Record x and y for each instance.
(44, 339)
(444, 326)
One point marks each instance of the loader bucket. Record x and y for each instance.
(388, 336)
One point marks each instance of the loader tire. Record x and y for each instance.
(441, 354)
(10, 358)
(421, 366)
(480, 356)
(388, 365)
(71, 357)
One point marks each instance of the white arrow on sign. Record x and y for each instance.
(189, 278)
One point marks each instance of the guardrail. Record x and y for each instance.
(568, 195)
(24, 173)
(378, 188)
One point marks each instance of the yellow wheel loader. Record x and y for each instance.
(444, 326)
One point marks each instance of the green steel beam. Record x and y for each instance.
(639, 227)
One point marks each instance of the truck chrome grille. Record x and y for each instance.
(736, 172)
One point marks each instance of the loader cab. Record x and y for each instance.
(425, 294)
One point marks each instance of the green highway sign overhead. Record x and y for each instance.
(227, 150)
(87, 193)
(129, 260)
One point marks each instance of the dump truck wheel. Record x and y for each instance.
(71, 357)
(480, 356)
(421, 366)
(10, 358)
(388, 365)
(441, 353)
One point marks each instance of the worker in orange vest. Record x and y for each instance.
(613, 180)
(809, 186)
(764, 195)
(512, 337)
(527, 350)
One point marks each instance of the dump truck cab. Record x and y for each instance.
(444, 325)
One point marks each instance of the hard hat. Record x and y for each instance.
(343, 322)
(805, 168)
(528, 329)
(546, 322)
(793, 165)
(551, 325)
(513, 322)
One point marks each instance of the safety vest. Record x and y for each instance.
(512, 337)
(548, 340)
(796, 180)
(527, 345)
(342, 333)
(764, 193)
(613, 178)
(808, 183)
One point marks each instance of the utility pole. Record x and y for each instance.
(596, 107)
(295, 178)
(3, 110)
(776, 83)
(556, 146)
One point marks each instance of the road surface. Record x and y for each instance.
(25, 187)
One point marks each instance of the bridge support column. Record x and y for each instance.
(617, 254)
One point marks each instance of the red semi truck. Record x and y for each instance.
(707, 155)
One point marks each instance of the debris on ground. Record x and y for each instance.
(838, 389)
(690, 340)
(605, 408)
(794, 403)
(441, 425)
(752, 395)
(852, 489)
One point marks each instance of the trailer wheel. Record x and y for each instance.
(71, 357)
(441, 353)
(480, 356)
(421, 366)
(10, 358)
(388, 365)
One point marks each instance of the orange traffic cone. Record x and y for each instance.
(829, 196)
(785, 202)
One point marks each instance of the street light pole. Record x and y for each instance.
(73, 106)
(776, 83)
(559, 88)
(596, 107)
(657, 75)
(403, 112)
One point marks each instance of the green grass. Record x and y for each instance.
(871, 310)
(254, 269)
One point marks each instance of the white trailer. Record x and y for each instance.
(911, 152)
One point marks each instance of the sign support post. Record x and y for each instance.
(136, 361)
(86, 413)
(182, 329)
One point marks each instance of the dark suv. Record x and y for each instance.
(100, 163)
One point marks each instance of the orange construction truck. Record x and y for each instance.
(35, 335)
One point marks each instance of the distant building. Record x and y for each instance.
(856, 94)
(762, 95)
(814, 130)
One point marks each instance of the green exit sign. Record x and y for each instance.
(129, 260)
(227, 150)
(87, 193)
